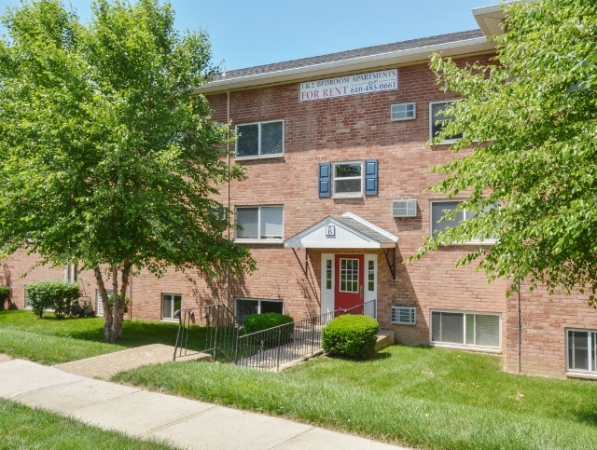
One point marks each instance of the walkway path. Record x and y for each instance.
(183, 423)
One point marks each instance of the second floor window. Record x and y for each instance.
(437, 120)
(260, 223)
(263, 139)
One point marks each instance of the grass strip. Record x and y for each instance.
(432, 398)
(24, 428)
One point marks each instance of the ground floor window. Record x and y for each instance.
(582, 350)
(170, 304)
(465, 329)
(99, 306)
(247, 306)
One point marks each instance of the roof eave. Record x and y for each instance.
(400, 57)
(490, 19)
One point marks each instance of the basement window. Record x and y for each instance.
(248, 306)
(465, 330)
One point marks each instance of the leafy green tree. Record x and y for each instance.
(106, 158)
(530, 117)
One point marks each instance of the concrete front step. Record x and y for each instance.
(384, 338)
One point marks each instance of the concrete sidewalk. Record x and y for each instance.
(183, 423)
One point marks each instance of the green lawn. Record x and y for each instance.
(432, 398)
(28, 429)
(52, 341)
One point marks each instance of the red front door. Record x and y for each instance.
(349, 286)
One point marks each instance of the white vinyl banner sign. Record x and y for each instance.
(363, 83)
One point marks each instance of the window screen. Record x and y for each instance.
(347, 178)
(437, 119)
(272, 135)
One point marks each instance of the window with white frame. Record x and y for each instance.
(348, 179)
(170, 304)
(99, 306)
(260, 223)
(260, 139)
(437, 120)
(582, 351)
(440, 208)
(247, 306)
(465, 329)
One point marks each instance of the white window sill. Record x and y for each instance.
(248, 158)
(169, 320)
(259, 241)
(403, 323)
(586, 375)
(473, 348)
(339, 196)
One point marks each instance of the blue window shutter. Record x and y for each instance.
(325, 179)
(371, 177)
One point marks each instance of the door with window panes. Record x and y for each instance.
(350, 281)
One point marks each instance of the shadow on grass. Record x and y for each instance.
(587, 417)
(135, 334)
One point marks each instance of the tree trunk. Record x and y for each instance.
(116, 310)
(114, 317)
(104, 296)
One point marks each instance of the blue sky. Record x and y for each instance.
(250, 33)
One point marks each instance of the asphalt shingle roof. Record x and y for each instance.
(351, 54)
(364, 229)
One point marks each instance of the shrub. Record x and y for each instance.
(125, 308)
(260, 322)
(52, 294)
(350, 335)
(4, 294)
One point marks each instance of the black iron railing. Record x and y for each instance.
(214, 329)
(211, 329)
(271, 348)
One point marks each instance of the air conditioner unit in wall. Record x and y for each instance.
(404, 315)
(404, 208)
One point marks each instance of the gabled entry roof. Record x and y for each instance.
(345, 231)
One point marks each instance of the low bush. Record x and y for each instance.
(4, 294)
(259, 322)
(56, 295)
(350, 335)
(125, 307)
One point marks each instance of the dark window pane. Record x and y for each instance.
(438, 211)
(272, 138)
(437, 119)
(244, 308)
(271, 307)
(348, 170)
(248, 141)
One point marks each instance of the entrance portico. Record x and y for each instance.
(349, 265)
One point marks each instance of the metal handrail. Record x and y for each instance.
(305, 340)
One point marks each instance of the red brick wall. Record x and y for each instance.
(344, 129)
(355, 128)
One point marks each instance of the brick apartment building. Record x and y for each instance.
(335, 201)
